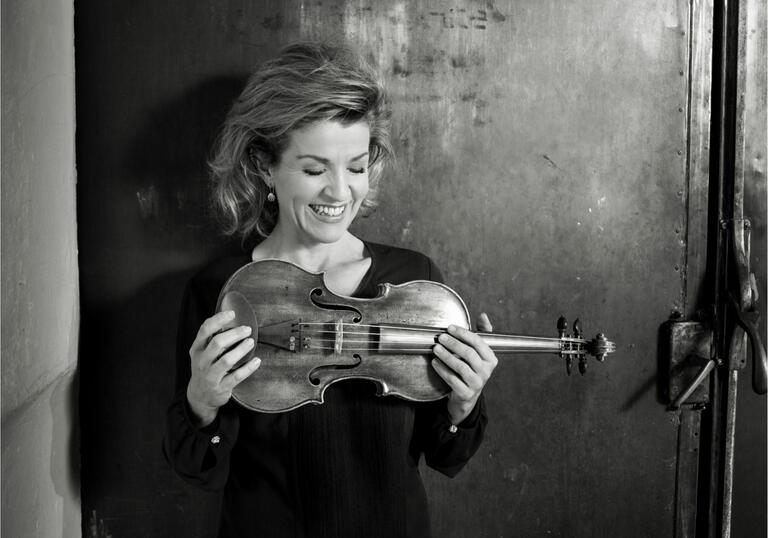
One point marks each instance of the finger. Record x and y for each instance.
(484, 323)
(236, 377)
(469, 377)
(465, 352)
(474, 340)
(226, 362)
(210, 327)
(453, 381)
(223, 341)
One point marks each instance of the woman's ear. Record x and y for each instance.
(259, 159)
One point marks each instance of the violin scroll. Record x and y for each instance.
(600, 346)
(575, 346)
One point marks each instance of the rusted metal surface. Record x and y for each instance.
(561, 177)
(687, 472)
(729, 439)
(698, 280)
(749, 174)
(749, 169)
(749, 475)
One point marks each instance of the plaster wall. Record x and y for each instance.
(40, 296)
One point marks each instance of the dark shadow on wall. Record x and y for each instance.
(175, 139)
(129, 321)
(166, 162)
(128, 373)
(65, 448)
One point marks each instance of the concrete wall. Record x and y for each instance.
(40, 297)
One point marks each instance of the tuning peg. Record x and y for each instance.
(582, 364)
(562, 331)
(577, 328)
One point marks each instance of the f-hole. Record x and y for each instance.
(317, 293)
(316, 374)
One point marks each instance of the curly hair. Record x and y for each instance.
(308, 82)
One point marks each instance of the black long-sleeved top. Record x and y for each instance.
(348, 467)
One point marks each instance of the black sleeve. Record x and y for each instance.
(435, 275)
(445, 448)
(199, 456)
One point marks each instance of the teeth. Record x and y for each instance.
(327, 210)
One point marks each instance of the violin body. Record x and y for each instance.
(307, 337)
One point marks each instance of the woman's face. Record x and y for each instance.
(321, 181)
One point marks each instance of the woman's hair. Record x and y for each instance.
(306, 83)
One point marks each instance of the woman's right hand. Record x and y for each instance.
(213, 356)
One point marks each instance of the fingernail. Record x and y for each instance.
(249, 342)
(438, 347)
(451, 328)
(443, 337)
(247, 329)
(229, 314)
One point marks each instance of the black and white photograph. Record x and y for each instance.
(384, 269)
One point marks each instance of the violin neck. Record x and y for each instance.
(510, 343)
(408, 340)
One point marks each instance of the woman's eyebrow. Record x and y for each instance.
(327, 161)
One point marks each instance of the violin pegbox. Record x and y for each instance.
(575, 347)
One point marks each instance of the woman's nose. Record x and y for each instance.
(338, 186)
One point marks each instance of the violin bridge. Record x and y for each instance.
(338, 337)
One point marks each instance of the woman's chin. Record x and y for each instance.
(328, 233)
(326, 230)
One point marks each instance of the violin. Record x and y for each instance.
(307, 337)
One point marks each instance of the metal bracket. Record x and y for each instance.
(691, 359)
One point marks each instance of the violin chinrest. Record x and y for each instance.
(244, 315)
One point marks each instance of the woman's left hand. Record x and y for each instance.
(465, 363)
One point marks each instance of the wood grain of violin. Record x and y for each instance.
(308, 337)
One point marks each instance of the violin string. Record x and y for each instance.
(431, 330)
(508, 348)
(436, 331)
(372, 346)
(331, 325)
(429, 350)
(498, 349)
(501, 348)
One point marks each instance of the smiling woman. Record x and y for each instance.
(320, 183)
(298, 158)
(306, 84)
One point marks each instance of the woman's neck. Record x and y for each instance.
(316, 257)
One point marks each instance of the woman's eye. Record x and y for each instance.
(357, 170)
(310, 172)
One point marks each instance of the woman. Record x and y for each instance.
(298, 158)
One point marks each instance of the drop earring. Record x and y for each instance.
(271, 195)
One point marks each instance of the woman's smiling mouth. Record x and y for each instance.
(328, 210)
